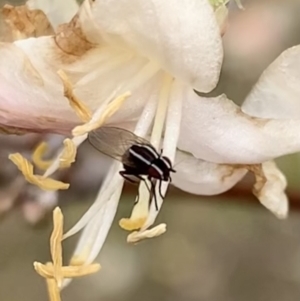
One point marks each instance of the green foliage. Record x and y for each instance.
(218, 3)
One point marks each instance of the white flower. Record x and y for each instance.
(142, 61)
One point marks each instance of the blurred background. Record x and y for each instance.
(226, 247)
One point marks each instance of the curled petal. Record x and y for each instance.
(184, 39)
(216, 130)
(270, 188)
(200, 177)
(277, 92)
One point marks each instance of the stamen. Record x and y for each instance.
(154, 232)
(87, 240)
(56, 162)
(68, 154)
(109, 111)
(108, 107)
(161, 111)
(37, 155)
(111, 181)
(104, 109)
(98, 219)
(82, 111)
(140, 210)
(170, 143)
(53, 290)
(27, 170)
(55, 245)
(55, 272)
(94, 235)
(172, 132)
(74, 271)
(139, 213)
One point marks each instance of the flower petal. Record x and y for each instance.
(30, 86)
(27, 91)
(24, 23)
(270, 188)
(277, 92)
(57, 11)
(184, 38)
(200, 177)
(216, 130)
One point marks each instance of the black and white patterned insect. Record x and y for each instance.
(138, 156)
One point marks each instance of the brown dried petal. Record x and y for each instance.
(25, 23)
(270, 187)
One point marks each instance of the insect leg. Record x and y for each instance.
(137, 199)
(126, 176)
(142, 179)
(148, 188)
(153, 194)
(159, 189)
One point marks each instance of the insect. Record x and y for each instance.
(138, 156)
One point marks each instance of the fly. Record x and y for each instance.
(138, 156)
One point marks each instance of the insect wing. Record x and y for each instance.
(114, 141)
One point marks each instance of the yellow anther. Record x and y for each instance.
(53, 290)
(130, 224)
(47, 270)
(68, 155)
(27, 170)
(37, 155)
(139, 212)
(55, 245)
(137, 236)
(112, 107)
(54, 272)
(82, 111)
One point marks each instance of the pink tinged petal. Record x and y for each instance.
(216, 130)
(277, 92)
(200, 177)
(31, 94)
(182, 36)
(30, 97)
(270, 189)
(57, 11)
